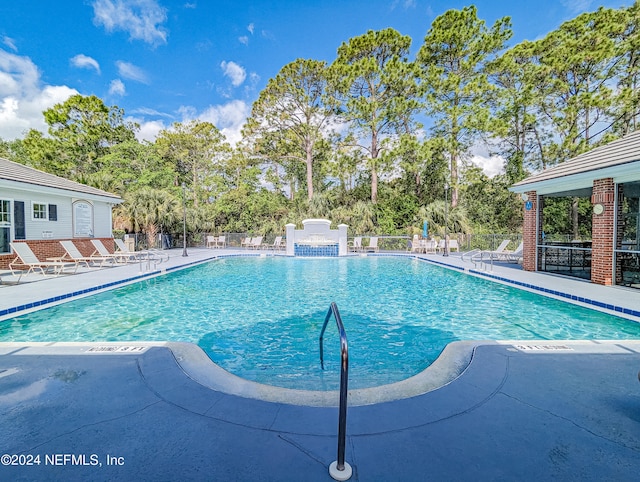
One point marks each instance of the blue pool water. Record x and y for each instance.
(260, 318)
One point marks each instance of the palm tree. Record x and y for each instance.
(434, 213)
(149, 210)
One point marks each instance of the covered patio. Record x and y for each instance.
(582, 217)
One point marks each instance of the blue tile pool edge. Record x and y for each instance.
(560, 294)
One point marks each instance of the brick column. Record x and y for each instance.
(602, 232)
(529, 239)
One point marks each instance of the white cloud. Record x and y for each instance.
(131, 72)
(142, 19)
(244, 40)
(149, 130)
(228, 118)
(490, 165)
(406, 4)
(235, 72)
(9, 42)
(23, 98)
(151, 112)
(84, 62)
(116, 87)
(251, 27)
(576, 6)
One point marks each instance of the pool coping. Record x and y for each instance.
(195, 364)
(454, 359)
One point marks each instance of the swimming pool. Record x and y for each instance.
(260, 318)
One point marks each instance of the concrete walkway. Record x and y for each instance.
(136, 411)
(514, 414)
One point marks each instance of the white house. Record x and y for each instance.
(41, 209)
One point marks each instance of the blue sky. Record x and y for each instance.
(164, 61)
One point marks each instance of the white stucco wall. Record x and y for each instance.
(62, 228)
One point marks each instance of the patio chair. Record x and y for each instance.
(373, 245)
(220, 242)
(452, 245)
(26, 260)
(211, 241)
(499, 254)
(120, 258)
(256, 242)
(278, 243)
(356, 244)
(515, 256)
(72, 253)
(415, 244)
(246, 242)
(430, 246)
(15, 278)
(146, 254)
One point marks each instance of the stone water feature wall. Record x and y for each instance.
(316, 239)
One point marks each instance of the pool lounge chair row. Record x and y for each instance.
(26, 262)
(499, 254)
(432, 246)
(256, 243)
(356, 245)
(216, 241)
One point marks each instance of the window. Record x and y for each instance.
(53, 212)
(5, 213)
(39, 211)
(5, 225)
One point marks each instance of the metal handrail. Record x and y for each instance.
(342, 467)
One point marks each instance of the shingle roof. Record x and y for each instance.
(621, 151)
(12, 171)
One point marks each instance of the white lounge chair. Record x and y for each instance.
(256, 242)
(15, 277)
(515, 256)
(373, 245)
(26, 260)
(120, 258)
(246, 242)
(278, 243)
(146, 254)
(211, 241)
(72, 253)
(499, 254)
(356, 244)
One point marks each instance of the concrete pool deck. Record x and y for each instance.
(519, 411)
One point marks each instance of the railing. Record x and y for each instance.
(339, 470)
(628, 261)
(571, 259)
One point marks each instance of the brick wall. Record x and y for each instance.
(51, 248)
(602, 232)
(529, 240)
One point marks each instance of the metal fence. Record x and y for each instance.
(467, 242)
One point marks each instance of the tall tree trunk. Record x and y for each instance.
(454, 180)
(374, 170)
(309, 149)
